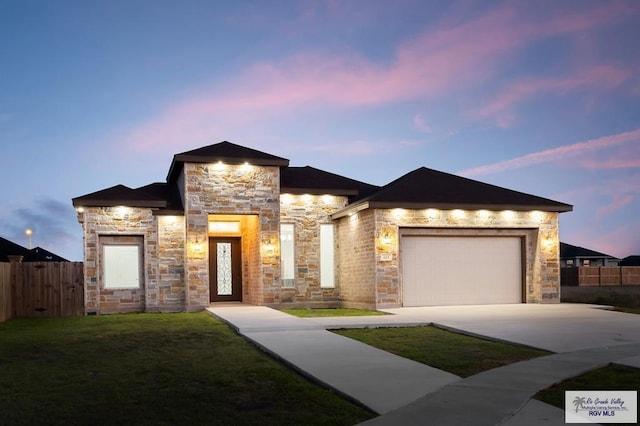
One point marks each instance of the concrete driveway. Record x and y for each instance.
(405, 392)
(555, 327)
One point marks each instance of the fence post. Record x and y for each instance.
(13, 260)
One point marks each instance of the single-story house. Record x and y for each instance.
(633, 260)
(10, 250)
(572, 256)
(233, 223)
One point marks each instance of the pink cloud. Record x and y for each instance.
(439, 61)
(556, 155)
(620, 242)
(602, 77)
(619, 201)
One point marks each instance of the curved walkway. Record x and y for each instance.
(406, 392)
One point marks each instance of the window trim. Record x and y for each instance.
(327, 256)
(288, 256)
(112, 248)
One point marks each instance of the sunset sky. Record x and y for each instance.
(538, 96)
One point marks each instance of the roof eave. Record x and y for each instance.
(350, 210)
(78, 202)
(317, 191)
(168, 212)
(560, 208)
(180, 159)
(354, 208)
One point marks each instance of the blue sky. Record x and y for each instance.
(538, 96)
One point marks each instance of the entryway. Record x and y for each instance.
(225, 265)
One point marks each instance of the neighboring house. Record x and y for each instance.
(630, 261)
(236, 224)
(38, 254)
(571, 256)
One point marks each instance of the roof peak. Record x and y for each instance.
(226, 152)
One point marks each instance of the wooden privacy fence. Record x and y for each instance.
(5, 291)
(600, 275)
(42, 289)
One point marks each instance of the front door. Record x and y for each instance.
(225, 267)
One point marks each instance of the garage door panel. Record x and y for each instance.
(461, 270)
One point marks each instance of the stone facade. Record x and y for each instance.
(375, 280)
(357, 271)
(307, 213)
(119, 225)
(175, 238)
(211, 189)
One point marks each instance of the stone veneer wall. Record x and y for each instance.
(231, 189)
(307, 213)
(357, 259)
(171, 254)
(108, 223)
(539, 229)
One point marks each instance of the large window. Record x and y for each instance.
(287, 257)
(122, 266)
(327, 256)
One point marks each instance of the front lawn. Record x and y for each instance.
(456, 353)
(331, 312)
(612, 377)
(152, 369)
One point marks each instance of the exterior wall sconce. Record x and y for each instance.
(196, 250)
(387, 239)
(269, 247)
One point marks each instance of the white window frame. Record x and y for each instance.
(327, 256)
(121, 263)
(287, 254)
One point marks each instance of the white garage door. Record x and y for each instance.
(461, 270)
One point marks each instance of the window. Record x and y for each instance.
(586, 262)
(287, 258)
(121, 266)
(327, 256)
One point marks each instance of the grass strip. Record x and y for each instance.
(456, 353)
(612, 377)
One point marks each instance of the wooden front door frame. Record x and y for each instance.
(236, 270)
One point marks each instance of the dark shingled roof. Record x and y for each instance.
(568, 251)
(119, 195)
(38, 254)
(421, 188)
(226, 152)
(630, 261)
(47, 256)
(309, 180)
(424, 188)
(169, 193)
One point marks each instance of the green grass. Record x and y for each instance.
(331, 312)
(612, 377)
(456, 353)
(152, 369)
(634, 310)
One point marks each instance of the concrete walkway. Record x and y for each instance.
(405, 392)
(372, 377)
